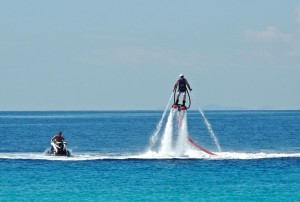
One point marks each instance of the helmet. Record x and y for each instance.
(181, 75)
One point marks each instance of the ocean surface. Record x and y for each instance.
(145, 156)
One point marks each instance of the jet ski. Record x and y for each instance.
(61, 149)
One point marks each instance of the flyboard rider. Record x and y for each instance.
(182, 85)
(57, 138)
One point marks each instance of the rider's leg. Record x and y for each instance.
(184, 97)
(177, 98)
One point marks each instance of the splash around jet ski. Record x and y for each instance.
(58, 149)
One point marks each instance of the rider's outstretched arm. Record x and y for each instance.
(187, 83)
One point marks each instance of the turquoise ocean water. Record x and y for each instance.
(111, 160)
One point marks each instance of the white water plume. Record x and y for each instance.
(166, 141)
(182, 144)
(174, 141)
(209, 127)
(154, 137)
(210, 130)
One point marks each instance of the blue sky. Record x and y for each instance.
(110, 55)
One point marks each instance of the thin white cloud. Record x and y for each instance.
(269, 34)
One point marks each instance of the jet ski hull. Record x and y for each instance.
(61, 150)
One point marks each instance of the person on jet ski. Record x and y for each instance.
(57, 138)
(182, 85)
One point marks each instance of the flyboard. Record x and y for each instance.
(183, 108)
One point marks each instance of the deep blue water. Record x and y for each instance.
(251, 166)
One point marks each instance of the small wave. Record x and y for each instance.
(148, 156)
(260, 155)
